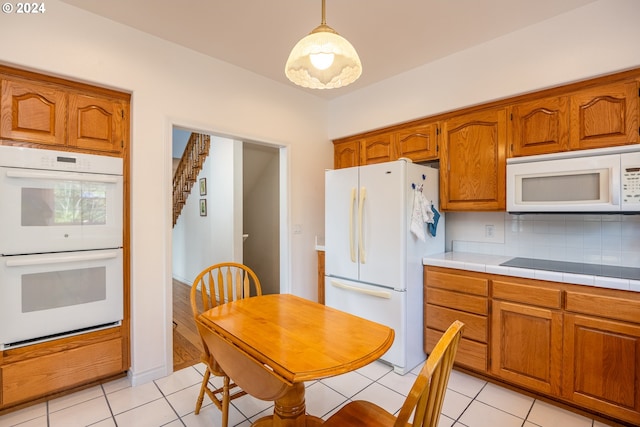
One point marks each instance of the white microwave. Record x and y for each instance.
(603, 180)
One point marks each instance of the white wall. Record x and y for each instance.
(199, 241)
(599, 38)
(170, 86)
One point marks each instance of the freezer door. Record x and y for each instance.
(341, 207)
(382, 221)
(380, 305)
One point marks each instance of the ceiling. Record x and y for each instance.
(391, 37)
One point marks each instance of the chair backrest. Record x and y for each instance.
(220, 283)
(427, 393)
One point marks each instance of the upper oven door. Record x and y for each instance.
(55, 211)
(583, 184)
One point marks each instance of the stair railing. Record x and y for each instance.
(195, 153)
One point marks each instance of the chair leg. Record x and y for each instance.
(205, 381)
(225, 401)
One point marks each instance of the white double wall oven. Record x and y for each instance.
(61, 234)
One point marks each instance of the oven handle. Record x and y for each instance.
(36, 260)
(63, 176)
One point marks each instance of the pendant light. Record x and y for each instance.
(323, 59)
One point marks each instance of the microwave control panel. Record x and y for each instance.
(630, 181)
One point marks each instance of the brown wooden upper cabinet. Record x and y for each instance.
(596, 117)
(473, 162)
(418, 143)
(48, 114)
(604, 116)
(96, 123)
(33, 112)
(346, 154)
(540, 126)
(377, 149)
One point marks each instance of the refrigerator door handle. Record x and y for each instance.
(378, 294)
(352, 243)
(363, 196)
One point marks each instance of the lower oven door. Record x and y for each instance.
(43, 296)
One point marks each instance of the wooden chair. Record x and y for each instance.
(217, 285)
(425, 397)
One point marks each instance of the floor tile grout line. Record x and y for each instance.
(457, 420)
(164, 396)
(104, 392)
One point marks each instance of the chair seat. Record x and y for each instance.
(361, 413)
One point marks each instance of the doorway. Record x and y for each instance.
(240, 188)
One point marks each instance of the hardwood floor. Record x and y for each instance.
(187, 346)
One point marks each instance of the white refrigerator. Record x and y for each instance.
(373, 264)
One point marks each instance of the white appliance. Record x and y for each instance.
(61, 233)
(603, 180)
(43, 295)
(373, 263)
(61, 201)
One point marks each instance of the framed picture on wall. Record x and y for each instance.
(203, 207)
(203, 186)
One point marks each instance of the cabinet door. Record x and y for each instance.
(32, 112)
(418, 143)
(526, 346)
(472, 162)
(346, 154)
(539, 127)
(602, 365)
(96, 123)
(604, 116)
(377, 149)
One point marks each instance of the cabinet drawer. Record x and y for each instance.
(37, 377)
(531, 295)
(458, 301)
(470, 354)
(458, 283)
(604, 306)
(440, 318)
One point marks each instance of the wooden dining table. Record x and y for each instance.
(270, 345)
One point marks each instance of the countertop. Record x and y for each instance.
(491, 264)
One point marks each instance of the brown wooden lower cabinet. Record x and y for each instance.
(578, 345)
(33, 372)
(602, 365)
(450, 297)
(526, 348)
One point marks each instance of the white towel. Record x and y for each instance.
(427, 212)
(417, 215)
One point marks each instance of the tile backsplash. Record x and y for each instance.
(604, 239)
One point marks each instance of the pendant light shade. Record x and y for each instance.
(323, 59)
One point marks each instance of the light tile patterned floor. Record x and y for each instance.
(170, 401)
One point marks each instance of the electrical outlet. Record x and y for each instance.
(297, 228)
(489, 231)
